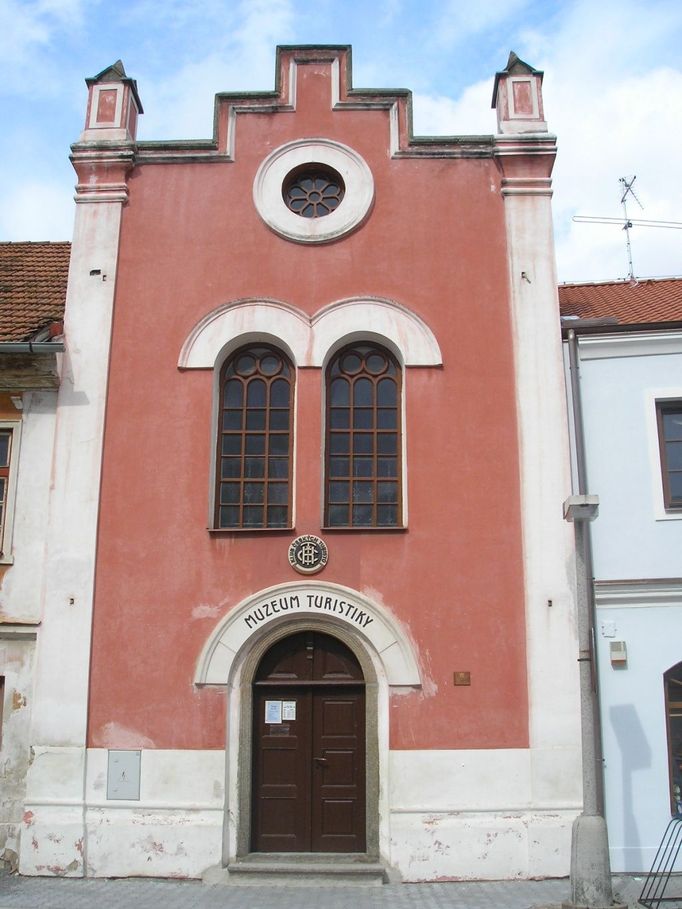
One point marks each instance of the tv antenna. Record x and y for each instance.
(626, 222)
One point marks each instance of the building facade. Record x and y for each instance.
(308, 586)
(32, 288)
(627, 351)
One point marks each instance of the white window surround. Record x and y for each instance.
(6, 557)
(93, 123)
(652, 397)
(309, 341)
(351, 212)
(523, 115)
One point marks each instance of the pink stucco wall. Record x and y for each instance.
(192, 241)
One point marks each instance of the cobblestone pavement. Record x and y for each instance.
(140, 893)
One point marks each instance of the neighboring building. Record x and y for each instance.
(32, 292)
(627, 338)
(311, 326)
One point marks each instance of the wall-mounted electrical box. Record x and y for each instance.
(123, 775)
(618, 652)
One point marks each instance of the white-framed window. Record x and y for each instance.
(662, 409)
(669, 418)
(313, 190)
(10, 432)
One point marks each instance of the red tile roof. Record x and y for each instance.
(32, 287)
(640, 302)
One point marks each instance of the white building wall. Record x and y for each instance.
(635, 545)
(633, 726)
(632, 537)
(471, 814)
(54, 821)
(22, 585)
(20, 599)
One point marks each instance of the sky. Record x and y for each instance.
(612, 93)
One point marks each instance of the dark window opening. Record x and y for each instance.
(5, 454)
(669, 415)
(313, 191)
(253, 464)
(363, 439)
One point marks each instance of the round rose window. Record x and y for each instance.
(313, 192)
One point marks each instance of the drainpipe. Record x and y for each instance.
(581, 470)
(590, 864)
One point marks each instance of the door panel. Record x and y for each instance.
(309, 772)
(281, 776)
(338, 796)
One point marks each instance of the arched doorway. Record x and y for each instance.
(308, 772)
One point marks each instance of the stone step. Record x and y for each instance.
(306, 870)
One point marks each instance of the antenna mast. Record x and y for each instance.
(627, 222)
(627, 184)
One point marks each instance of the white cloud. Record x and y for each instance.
(37, 210)
(28, 27)
(633, 126)
(470, 114)
(182, 105)
(459, 20)
(617, 111)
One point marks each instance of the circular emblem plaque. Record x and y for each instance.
(308, 554)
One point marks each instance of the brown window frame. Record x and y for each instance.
(355, 478)
(673, 676)
(233, 475)
(5, 486)
(2, 706)
(662, 408)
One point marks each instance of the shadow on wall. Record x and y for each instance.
(635, 755)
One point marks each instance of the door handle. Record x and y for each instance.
(322, 761)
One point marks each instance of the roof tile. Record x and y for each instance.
(639, 302)
(33, 280)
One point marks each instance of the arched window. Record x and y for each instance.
(363, 469)
(672, 680)
(253, 465)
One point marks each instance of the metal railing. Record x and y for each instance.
(657, 884)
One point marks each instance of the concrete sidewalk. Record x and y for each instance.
(142, 893)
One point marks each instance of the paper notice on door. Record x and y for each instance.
(273, 712)
(288, 710)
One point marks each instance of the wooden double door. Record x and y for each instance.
(308, 748)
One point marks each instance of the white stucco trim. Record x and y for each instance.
(498, 817)
(352, 210)
(632, 344)
(523, 115)
(636, 593)
(93, 122)
(545, 478)
(310, 340)
(238, 323)
(61, 686)
(337, 604)
(367, 318)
